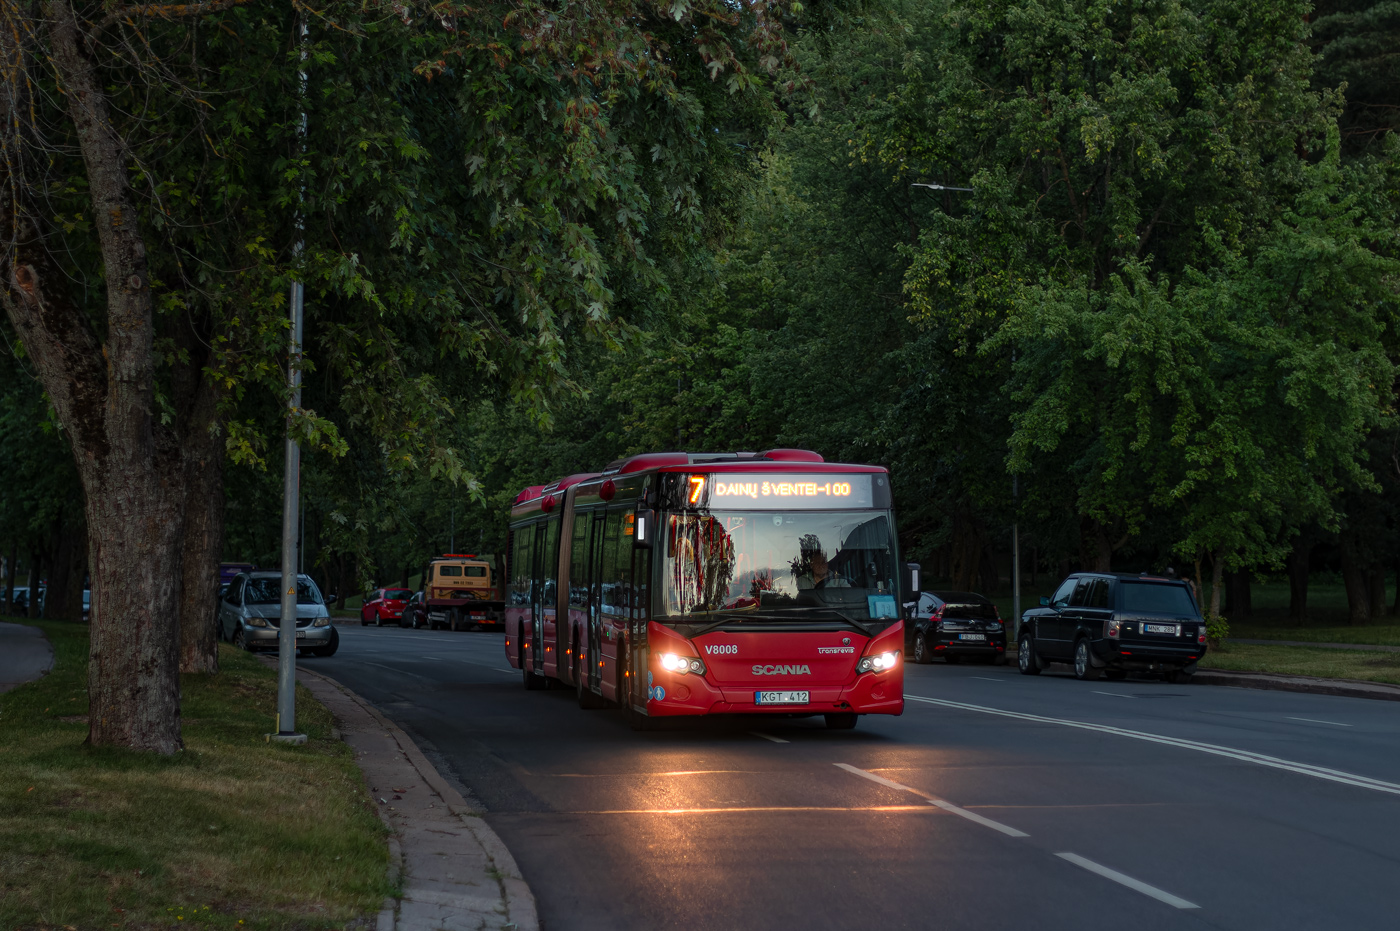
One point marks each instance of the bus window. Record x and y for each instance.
(549, 571)
(520, 565)
(578, 566)
(617, 566)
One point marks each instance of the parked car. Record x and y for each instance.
(953, 625)
(415, 613)
(1114, 624)
(250, 614)
(21, 604)
(384, 604)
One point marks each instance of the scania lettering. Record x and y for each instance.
(677, 584)
(782, 670)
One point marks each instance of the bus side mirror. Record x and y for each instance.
(911, 580)
(644, 529)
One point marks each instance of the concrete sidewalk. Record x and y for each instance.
(25, 655)
(454, 871)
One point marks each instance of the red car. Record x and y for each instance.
(384, 604)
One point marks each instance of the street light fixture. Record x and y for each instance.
(942, 187)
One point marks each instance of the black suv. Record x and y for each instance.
(953, 625)
(1114, 623)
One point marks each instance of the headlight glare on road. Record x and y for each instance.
(877, 662)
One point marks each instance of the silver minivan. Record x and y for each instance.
(251, 609)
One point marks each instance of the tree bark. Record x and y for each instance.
(12, 565)
(203, 545)
(1239, 604)
(1298, 561)
(1354, 579)
(36, 574)
(1375, 583)
(1217, 573)
(60, 602)
(103, 394)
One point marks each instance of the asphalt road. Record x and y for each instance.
(995, 801)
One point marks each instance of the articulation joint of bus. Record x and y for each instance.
(691, 583)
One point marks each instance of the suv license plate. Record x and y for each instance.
(1172, 629)
(972, 636)
(781, 698)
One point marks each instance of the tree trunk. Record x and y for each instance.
(36, 574)
(103, 394)
(1298, 579)
(1238, 603)
(403, 576)
(203, 542)
(1396, 608)
(67, 562)
(13, 567)
(1217, 574)
(341, 583)
(1375, 583)
(203, 545)
(1354, 579)
(967, 552)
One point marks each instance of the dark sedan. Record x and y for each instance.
(953, 625)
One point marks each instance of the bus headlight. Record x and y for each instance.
(877, 663)
(682, 664)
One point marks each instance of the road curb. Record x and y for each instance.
(519, 901)
(1347, 688)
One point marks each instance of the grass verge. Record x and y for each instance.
(1371, 666)
(232, 832)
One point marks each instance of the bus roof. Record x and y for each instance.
(786, 460)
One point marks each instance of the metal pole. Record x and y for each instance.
(1015, 567)
(291, 494)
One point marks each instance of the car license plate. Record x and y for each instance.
(1172, 629)
(972, 636)
(781, 698)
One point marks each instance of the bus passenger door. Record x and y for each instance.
(537, 601)
(549, 600)
(612, 618)
(595, 602)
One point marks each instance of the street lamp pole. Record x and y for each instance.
(291, 492)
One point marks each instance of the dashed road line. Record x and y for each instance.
(1245, 756)
(1316, 721)
(984, 678)
(936, 801)
(776, 740)
(1123, 879)
(1111, 694)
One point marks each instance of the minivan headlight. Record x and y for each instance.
(322, 622)
(257, 622)
(877, 662)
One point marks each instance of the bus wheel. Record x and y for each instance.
(840, 722)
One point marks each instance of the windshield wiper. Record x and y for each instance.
(849, 620)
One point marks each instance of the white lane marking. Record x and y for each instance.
(1247, 756)
(1110, 694)
(776, 740)
(402, 672)
(934, 800)
(509, 672)
(1134, 884)
(984, 678)
(973, 816)
(1316, 721)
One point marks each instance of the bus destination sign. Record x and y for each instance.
(788, 491)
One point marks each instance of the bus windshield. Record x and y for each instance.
(778, 564)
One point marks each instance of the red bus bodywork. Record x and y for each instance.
(583, 597)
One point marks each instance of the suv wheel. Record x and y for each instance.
(1179, 677)
(921, 650)
(1084, 668)
(1025, 657)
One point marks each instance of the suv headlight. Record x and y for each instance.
(681, 664)
(257, 622)
(877, 663)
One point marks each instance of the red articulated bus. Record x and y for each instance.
(689, 584)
